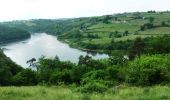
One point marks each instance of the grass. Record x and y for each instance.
(131, 25)
(68, 93)
(157, 31)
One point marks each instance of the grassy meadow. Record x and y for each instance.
(69, 93)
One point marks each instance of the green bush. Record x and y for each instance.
(149, 70)
(7, 69)
(25, 77)
(60, 77)
(93, 86)
(101, 76)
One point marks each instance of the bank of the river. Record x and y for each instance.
(15, 40)
(9, 34)
(71, 44)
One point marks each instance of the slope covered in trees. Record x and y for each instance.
(7, 69)
(8, 34)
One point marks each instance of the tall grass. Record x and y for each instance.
(69, 93)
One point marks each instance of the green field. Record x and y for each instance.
(69, 93)
(131, 22)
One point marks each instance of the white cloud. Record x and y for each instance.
(29, 9)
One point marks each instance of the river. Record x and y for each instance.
(43, 44)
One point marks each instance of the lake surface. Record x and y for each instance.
(46, 45)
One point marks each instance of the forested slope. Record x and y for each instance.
(8, 34)
(7, 69)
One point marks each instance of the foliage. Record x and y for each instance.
(25, 77)
(149, 70)
(149, 54)
(7, 69)
(93, 87)
(8, 34)
(137, 48)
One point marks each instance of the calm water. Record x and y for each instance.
(46, 45)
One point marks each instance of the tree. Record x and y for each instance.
(5, 75)
(151, 19)
(137, 48)
(110, 34)
(142, 28)
(84, 60)
(115, 18)
(113, 41)
(25, 77)
(31, 62)
(163, 24)
(149, 70)
(126, 33)
(106, 19)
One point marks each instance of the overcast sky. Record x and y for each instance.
(33, 9)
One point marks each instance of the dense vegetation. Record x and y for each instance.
(8, 69)
(138, 45)
(148, 65)
(8, 34)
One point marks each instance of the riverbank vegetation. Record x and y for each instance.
(138, 67)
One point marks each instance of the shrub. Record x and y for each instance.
(93, 86)
(101, 76)
(59, 77)
(149, 70)
(25, 77)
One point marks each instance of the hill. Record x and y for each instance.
(96, 33)
(7, 69)
(8, 34)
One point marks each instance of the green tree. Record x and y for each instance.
(149, 70)
(137, 48)
(151, 19)
(25, 77)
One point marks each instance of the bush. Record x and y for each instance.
(93, 86)
(101, 76)
(149, 70)
(60, 77)
(94, 75)
(25, 77)
(5, 75)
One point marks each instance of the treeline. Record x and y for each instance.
(49, 26)
(91, 75)
(151, 45)
(148, 64)
(8, 34)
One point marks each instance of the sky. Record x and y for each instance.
(53, 9)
